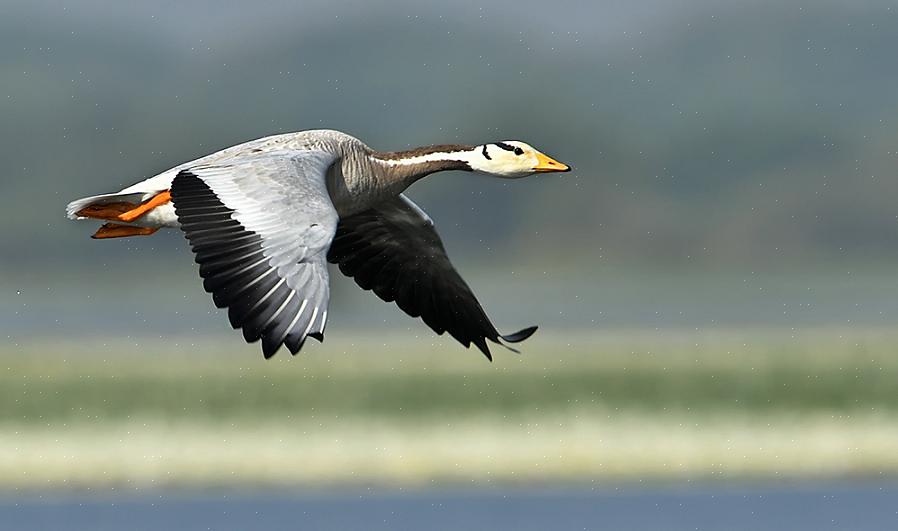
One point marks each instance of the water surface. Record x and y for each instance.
(795, 507)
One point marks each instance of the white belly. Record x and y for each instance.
(161, 216)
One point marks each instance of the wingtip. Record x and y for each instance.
(294, 348)
(520, 335)
(480, 343)
(270, 345)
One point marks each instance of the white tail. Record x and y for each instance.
(71, 211)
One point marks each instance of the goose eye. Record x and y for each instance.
(518, 151)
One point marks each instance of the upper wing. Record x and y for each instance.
(259, 228)
(394, 250)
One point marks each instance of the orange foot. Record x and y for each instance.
(110, 211)
(114, 230)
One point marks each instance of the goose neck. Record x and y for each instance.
(413, 164)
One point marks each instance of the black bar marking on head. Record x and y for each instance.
(505, 146)
(485, 154)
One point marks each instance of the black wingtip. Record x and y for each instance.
(294, 348)
(481, 344)
(269, 352)
(520, 335)
(317, 336)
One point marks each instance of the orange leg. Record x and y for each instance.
(114, 230)
(157, 200)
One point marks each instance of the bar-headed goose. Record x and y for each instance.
(264, 217)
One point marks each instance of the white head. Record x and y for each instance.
(512, 159)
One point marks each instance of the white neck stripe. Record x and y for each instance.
(464, 156)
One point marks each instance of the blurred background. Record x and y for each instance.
(714, 282)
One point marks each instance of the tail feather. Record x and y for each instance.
(73, 208)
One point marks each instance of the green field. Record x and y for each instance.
(640, 404)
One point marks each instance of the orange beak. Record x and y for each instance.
(548, 164)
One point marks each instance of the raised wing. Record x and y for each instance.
(394, 250)
(260, 228)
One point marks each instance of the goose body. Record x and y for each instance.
(264, 217)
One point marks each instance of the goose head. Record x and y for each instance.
(513, 159)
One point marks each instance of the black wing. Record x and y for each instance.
(394, 250)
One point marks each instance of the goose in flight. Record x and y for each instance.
(264, 217)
